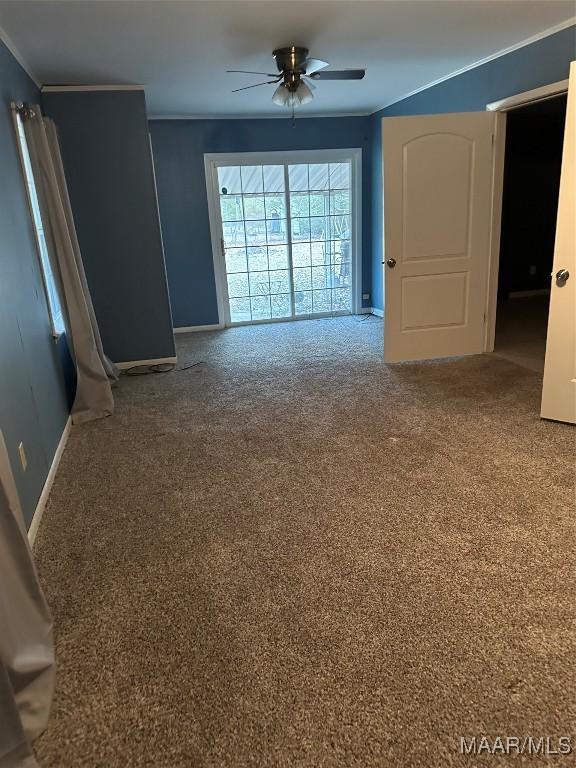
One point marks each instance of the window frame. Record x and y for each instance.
(55, 313)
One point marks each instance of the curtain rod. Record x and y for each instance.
(23, 109)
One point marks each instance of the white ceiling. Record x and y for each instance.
(180, 51)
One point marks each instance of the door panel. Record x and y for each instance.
(559, 387)
(443, 232)
(434, 301)
(437, 192)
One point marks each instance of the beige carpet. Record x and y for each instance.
(294, 555)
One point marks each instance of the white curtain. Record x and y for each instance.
(94, 370)
(26, 644)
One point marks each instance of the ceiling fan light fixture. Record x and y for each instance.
(303, 93)
(281, 96)
(284, 97)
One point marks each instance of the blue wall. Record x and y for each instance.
(179, 147)
(540, 63)
(106, 152)
(33, 390)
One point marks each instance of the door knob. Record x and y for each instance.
(562, 277)
(391, 263)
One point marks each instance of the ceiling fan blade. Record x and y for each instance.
(268, 82)
(249, 72)
(314, 65)
(339, 74)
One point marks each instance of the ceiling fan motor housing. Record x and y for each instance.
(291, 62)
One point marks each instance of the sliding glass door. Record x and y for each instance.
(287, 238)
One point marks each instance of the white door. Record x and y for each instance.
(438, 173)
(559, 388)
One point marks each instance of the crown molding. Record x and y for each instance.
(5, 38)
(58, 88)
(528, 41)
(244, 116)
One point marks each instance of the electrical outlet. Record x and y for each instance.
(532, 270)
(23, 459)
(365, 296)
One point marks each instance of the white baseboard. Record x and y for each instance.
(157, 361)
(377, 312)
(39, 511)
(196, 328)
(364, 311)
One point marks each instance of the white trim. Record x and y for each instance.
(295, 319)
(4, 37)
(197, 328)
(289, 239)
(280, 115)
(500, 108)
(357, 229)
(57, 88)
(215, 222)
(213, 160)
(377, 312)
(534, 39)
(498, 153)
(283, 156)
(39, 511)
(154, 361)
(528, 97)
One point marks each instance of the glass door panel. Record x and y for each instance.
(321, 237)
(255, 238)
(287, 247)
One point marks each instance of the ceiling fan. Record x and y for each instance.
(296, 75)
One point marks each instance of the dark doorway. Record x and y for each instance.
(533, 159)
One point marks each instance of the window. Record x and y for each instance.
(54, 306)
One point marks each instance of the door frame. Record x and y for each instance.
(212, 160)
(500, 108)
